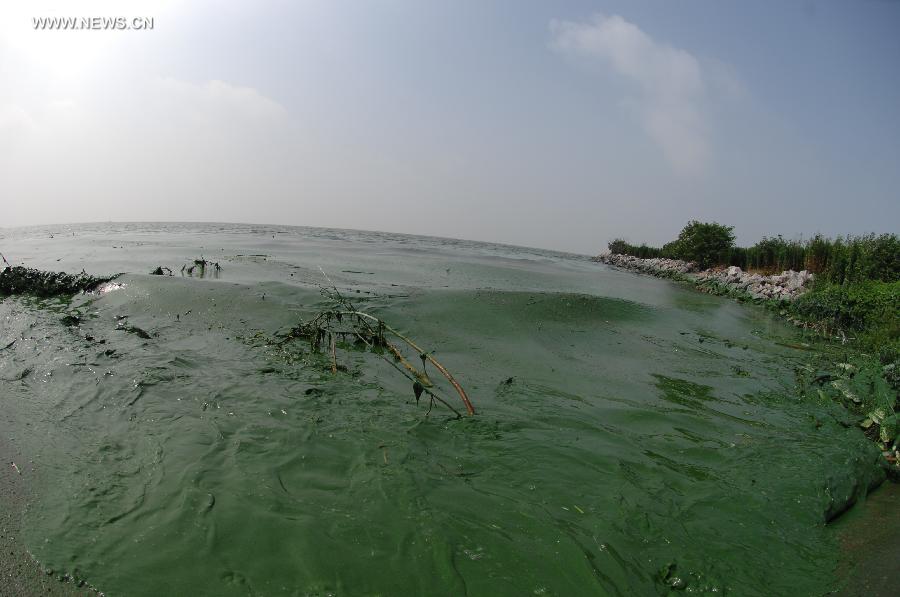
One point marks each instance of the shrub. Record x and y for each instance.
(707, 243)
(618, 247)
(884, 258)
(621, 247)
(670, 250)
(862, 306)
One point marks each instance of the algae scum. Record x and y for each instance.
(632, 436)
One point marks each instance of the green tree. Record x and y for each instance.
(707, 243)
(618, 247)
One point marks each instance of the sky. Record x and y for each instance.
(559, 125)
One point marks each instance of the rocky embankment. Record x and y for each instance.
(785, 286)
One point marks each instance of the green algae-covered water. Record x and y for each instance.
(632, 436)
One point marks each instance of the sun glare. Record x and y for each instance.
(68, 53)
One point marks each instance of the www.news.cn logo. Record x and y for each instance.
(93, 23)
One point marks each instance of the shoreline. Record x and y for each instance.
(20, 574)
(776, 292)
(866, 527)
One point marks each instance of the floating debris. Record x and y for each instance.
(71, 320)
(131, 329)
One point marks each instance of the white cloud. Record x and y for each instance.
(670, 79)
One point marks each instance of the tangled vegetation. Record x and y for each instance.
(343, 322)
(198, 268)
(24, 280)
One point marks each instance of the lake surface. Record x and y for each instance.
(632, 435)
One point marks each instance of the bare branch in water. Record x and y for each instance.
(333, 355)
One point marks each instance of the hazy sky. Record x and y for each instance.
(549, 124)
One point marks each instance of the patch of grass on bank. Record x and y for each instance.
(869, 310)
(859, 365)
